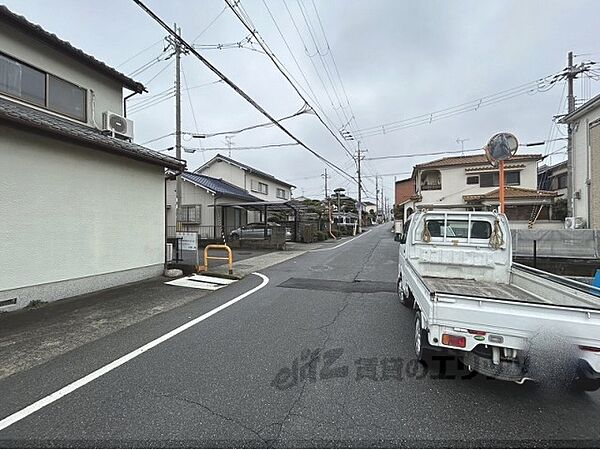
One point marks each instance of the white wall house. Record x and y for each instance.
(261, 185)
(470, 182)
(201, 209)
(82, 210)
(585, 125)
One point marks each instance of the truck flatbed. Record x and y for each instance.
(498, 291)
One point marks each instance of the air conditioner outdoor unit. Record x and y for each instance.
(578, 221)
(118, 125)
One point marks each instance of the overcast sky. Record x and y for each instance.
(397, 59)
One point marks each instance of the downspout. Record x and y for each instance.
(125, 101)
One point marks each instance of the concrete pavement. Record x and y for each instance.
(314, 358)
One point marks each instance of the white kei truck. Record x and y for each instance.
(502, 319)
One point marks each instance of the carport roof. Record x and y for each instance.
(283, 205)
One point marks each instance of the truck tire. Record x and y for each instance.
(583, 384)
(407, 301)
(420, 336)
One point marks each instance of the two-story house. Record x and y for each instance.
(585, 162)
(260, 184)
(82, 209)
(470, 182)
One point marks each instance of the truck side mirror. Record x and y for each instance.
(403, 238)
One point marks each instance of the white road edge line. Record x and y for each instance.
(339, 245)
(28, 410)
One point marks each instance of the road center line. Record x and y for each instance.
(28, 410)
(343, 243)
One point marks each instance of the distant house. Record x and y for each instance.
(261, 185)
(82, 210)
(201, 210)
(470, 182)
(403, 192)
(585, 125)
(370, 208)
(553, 178)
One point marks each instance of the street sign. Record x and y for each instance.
(189, 241)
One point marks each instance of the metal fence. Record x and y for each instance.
(577, 244)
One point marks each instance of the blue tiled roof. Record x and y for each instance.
(219, 186)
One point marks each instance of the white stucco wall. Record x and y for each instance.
(191, 194)
(70, 212)
(454, 184)
(22, 46)
(581, 160)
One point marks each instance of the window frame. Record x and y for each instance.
(85, 97)
(255, 186)
(473, 177)
(496, 178)
(283, 192)
(47, 76)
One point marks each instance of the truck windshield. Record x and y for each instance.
(460, 228)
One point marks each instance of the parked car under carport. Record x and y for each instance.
(255, 231)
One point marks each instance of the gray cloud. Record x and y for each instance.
(398, 59)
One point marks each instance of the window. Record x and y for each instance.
(66, 98)
(474, 179)
(491, 179)
(259, 187)
(459, 229)
(42, 89)
(22, 81)
(281, 193)
(188, 214)
(562, 181)
(431, 180)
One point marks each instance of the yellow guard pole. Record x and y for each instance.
(219, 247)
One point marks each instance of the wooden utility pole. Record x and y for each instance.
(325, 176)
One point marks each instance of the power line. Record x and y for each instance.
(540, 85)
(139, 53)
(314, 96)
(157, 138)
(237, 89)
(209, 25)
(276, 62)
(252, 147)
(303, 110)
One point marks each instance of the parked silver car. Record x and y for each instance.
(257, 231)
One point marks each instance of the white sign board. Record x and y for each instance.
(189, 241)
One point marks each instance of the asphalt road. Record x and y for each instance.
(320, 356)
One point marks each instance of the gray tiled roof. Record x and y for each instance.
(7, 16)
(246, 167)
(219, 186)
(34, 120)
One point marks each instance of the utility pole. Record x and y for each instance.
(177, 47)
(570, 75)
(325, 176)
(358, 159)
(570, 109)
(378, 211)
(229, 144)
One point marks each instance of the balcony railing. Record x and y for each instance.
(431, 187)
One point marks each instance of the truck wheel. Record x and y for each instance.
(586, 384)
(420, 337)
(407, 301)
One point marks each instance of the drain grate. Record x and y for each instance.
(365, 287)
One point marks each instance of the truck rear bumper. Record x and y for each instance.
(504, 370)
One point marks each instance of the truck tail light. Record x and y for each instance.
(589, 349)
(454, 341)
(477, 332)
